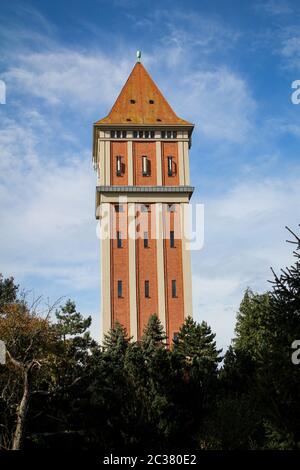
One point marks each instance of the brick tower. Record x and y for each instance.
(141, 154)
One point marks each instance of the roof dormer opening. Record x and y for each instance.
(158, 120)
(151, 101)
(132, 101)
(128, 119)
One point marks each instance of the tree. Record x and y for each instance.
(258, 370)
(64, 383)
(252, 334)
(29, 339)
(198, 356)
(8, 291)
(278, 376)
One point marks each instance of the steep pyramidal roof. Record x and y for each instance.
(141, 102)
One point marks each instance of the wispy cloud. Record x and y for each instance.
(275, 7)
(46, 210)
(244, 235)
(68, 77)
(47, 184)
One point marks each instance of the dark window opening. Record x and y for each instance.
(172, 239)
(119, 240)
(175, 336)
(145, 208)
(124, 133)
(170, 166)
(152, 134)
(146, 240)
(158, 120)
(118, 134)
(119, 208)
(132, 101)
(147, 289)
(163, 134)
(174, 134)
(128, 119)
(135, 134)
(112, 134)
(120, 289)
(171, 207)
(147, 134)
(151, 101)
(169, 134)
(141, 134)
(174, 293)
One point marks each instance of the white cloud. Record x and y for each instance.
(244, 236)
(205, 94)
(274, 7)
(210, 97)
(46, 211)
(69, 77)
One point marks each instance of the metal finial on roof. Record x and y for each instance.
(138, 56)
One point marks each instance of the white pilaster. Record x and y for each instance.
(132, 271)
(160, 264)
(105, 230)
(186, 260)
(158, 164)
(130, 163)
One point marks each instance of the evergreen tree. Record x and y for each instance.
(8, 291)
(198, 356)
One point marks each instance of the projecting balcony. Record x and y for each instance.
(146, 189)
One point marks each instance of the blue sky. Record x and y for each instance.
(226, 66)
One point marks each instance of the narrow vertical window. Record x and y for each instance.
(119, 165)
(146, 240)
(174, 292)
(147, 290)
(118, 134)
(145, 166)
(120, 289)
(119, 208)
(175, 336)
(119, 240)
(141, 134)
(147, 134)
(152, 134)
(169, 134)
(163, 134)
(145, 208)
(174, 135)
(135, 134)
(124, 134)
(170, 166)
(172, 239)
(112, 134)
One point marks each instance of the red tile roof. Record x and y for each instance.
(141, 102)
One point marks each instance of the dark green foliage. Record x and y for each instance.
(144, 396)
(8, 291)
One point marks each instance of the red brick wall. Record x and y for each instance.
(170, 149)
(146, 269)
(173, 270)
(140, 149)
(120, 307)
(118, 148)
